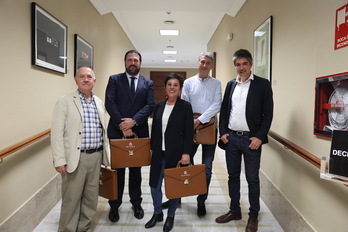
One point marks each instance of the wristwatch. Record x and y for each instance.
(135, 122)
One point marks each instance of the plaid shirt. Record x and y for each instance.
(92, 135)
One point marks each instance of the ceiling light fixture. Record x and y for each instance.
(170, 61)
(169, 32)
(169, 22)
(170, 52)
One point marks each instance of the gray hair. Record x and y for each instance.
(207, 54)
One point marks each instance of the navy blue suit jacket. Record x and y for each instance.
(259, 108)
(120, 104)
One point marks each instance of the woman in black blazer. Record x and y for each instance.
(171, 141)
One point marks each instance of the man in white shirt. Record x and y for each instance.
(204, 94)
(245, 119)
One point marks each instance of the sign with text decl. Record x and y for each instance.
(339, 153)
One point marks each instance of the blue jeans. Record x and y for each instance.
(156, 194)
(235, 148)
(208, 154)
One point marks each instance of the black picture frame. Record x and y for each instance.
(263, 49)
(84, 53)
(49, 40)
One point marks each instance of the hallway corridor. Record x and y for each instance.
(186, 219)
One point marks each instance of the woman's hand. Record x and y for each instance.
(185, 159)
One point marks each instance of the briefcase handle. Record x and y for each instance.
(179, 164)
(134, 135)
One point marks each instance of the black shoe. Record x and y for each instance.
(168, 225)
(201, 211)
(113, 215)
(138, 212)
(155, 218)
(165, 205)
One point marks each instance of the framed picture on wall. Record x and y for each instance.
(49, 40)
(263, 49)
(84, 52)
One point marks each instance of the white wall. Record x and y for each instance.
(303, 49)
(28, 93)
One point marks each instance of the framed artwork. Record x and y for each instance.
(83, 53)
(49, 40)
(263, 49)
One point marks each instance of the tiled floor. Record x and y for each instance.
(186, 218)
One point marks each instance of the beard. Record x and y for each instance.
(132, 70)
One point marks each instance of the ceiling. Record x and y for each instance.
(197, 21)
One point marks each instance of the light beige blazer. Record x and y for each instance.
(66, 131)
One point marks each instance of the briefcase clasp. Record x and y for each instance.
(186, 181)
(130, 152)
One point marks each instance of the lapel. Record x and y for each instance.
(77, 102)
(234, 84)
(176, 111)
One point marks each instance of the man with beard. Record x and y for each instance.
(129, 100)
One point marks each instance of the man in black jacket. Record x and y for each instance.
(245, 119)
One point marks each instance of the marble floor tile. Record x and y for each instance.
(186, 219)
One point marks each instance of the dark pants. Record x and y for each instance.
(157, 195)
(208, 154)
(236, 147)
(134, 187)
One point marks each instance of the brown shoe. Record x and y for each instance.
(252, 224)
(229, 217)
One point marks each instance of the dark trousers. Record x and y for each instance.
(208, 154)
(236, 147)
(134, 187)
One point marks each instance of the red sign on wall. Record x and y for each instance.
(341, 28)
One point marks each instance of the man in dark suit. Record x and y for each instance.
(245, 119)
(129, 101)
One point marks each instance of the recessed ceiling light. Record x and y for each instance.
(169, 32)
(170, 61)
(169, 22)
(170, 52)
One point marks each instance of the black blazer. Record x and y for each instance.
(259, 108)
(178, 137)
(120, 104)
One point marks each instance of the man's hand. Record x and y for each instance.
(255, 143)
(196, 123)
(61, 169)
(127, 133)
(224, 138)
(126, 124)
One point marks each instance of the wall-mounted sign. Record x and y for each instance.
(341, 27)
(339, 153)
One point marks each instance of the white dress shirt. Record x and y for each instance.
(204, 96)
(237, 121)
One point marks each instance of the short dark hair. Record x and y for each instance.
(174, 76)
(242, 53)
(132, 51)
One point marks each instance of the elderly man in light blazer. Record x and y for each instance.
(79, 146)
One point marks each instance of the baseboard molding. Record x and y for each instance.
(284, 212)
(31, 213)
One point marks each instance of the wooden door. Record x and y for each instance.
(158, 81)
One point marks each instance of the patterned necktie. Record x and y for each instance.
(132, 87)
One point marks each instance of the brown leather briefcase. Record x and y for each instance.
(130, 152)
(108, 183)
(185, 181)
(205, 133)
